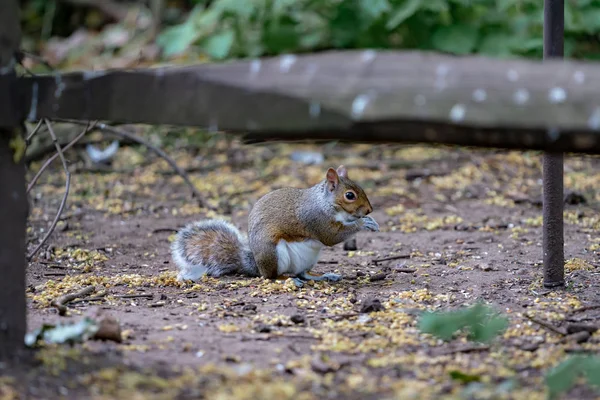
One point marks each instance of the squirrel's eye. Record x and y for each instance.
(350, 196)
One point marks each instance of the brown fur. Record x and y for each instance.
(322, 212)
(293, 214)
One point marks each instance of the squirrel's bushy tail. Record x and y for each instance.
(212, 247)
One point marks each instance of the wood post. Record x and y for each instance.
(14, 206)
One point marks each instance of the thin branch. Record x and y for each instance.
(41, 150)
(99, 297)
(64, 199)
(465, 349)
(405, 270)
(48, 274)
(546, 325)
(337, 316)
(134, 296)
(160, 230)
(40, 59)
(130, 136)
(398, 257)
(67, 147)
(61, 302)
(33, 132)
(586, 308)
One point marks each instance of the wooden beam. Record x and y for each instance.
(13, 200)
(369, 96)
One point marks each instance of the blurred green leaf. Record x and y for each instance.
(464, 378)
(457, 39)
(590, 20)
(406, 10)
(497, 44)
(562, 377)
(496, 28)
(219, 45)
(480, 320)
(177, 39)
(592, 371)
(345, 24)
(373, 9)
(282, 35)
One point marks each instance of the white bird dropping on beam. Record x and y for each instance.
(479, 95)
(512, 75)
(579, 77)
(457, 113)
(521, 96)
(420, 100)
(368, 55)
(254, 68)
(594, 120)
(557, 95)
(31, 116)
(359, 105)
(314, 109)
(286, 62)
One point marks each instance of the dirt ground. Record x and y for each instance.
(467, 221)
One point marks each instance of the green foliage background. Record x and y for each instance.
(497, 28)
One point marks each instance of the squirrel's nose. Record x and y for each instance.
(368, 210)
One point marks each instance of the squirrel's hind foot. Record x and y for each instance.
(298, 282)
(329, 276)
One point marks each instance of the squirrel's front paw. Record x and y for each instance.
(369, 224)
(298, 282)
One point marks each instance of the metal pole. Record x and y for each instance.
(553, 242)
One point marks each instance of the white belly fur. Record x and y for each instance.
(296, 257)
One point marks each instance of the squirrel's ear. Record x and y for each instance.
(342, 171)
(332, 179)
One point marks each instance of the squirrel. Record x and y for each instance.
(287, 228)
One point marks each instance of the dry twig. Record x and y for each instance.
(64, 199)
(546, 325)
(134, 296)
(67, 147)
(405, 270)
(464, 349)
(160, 230)
(391, 258)
(22, 54)
(99, 296)
(33, 132)
(586, 308)
(61, 302)
(130, 136)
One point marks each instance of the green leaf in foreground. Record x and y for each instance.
(464, 378)
(564, 376)
(480, 320)
(77, 332)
